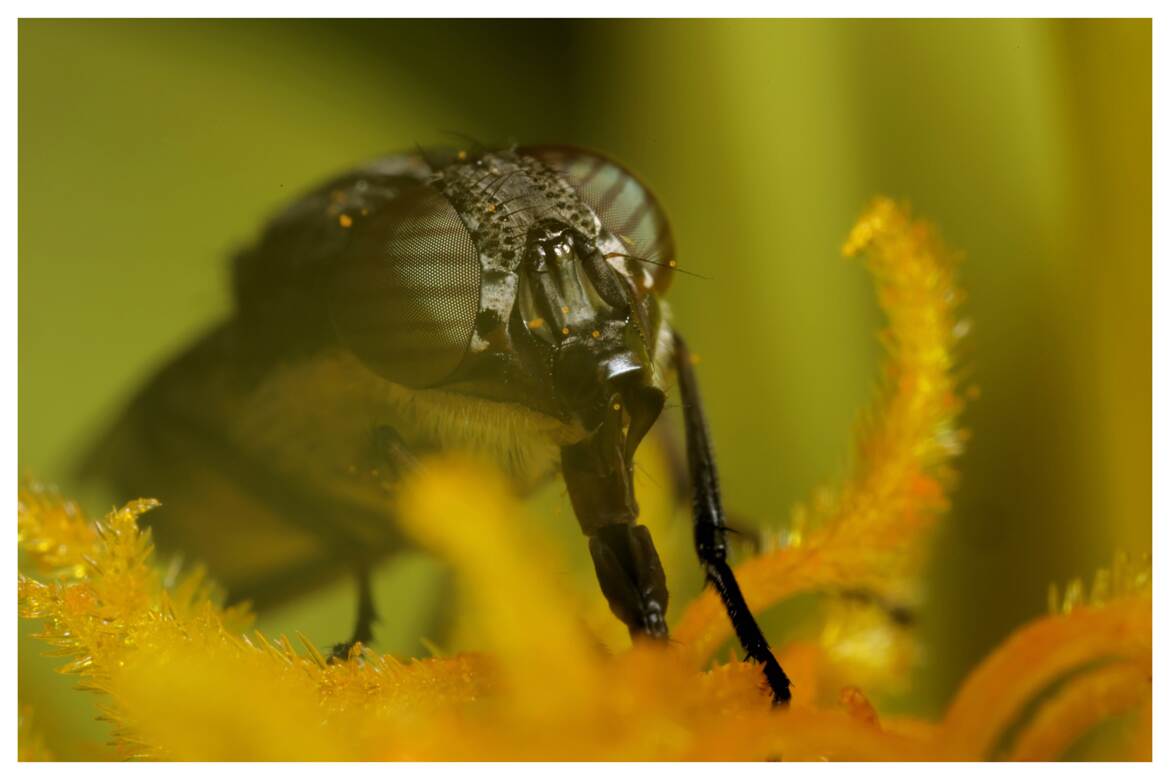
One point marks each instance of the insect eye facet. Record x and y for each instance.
(625, 206)
(405, 293)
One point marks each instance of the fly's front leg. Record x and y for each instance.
(627, 565)
(711, 528)
(367, 615)
(389, 452)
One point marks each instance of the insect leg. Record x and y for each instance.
(363, 630)
(711, 528)
(390, 451)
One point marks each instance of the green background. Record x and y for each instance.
(149, 151)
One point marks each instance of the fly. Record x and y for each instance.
(503, 301)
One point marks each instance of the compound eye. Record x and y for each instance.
(625, 206)
(405, 293)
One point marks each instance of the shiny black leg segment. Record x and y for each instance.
(711, 528)
(363, 630)
(631, 577)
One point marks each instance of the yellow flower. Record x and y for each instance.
(181, 678)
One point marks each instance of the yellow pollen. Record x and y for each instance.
(536, 323)
(673, 263)
(565, 330)
(462, 154)
(345, 220)
(490, 207)
(564, 309)
(617, 407)
(596, 334)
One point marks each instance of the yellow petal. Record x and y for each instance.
(1035, 657)
(1094, 697)
(869, 536)
(465, 513)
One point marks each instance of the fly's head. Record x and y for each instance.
(584, 315)
(530, 276)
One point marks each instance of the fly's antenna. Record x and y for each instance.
(671, 265)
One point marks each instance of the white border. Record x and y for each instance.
(594, 9)
(602, 8)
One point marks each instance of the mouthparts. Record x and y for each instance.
(599, 470)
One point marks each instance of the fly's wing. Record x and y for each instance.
(265, 441)
(188, 439)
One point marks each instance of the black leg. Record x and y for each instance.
(387, 451)
(711, 528)
(363, 630)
